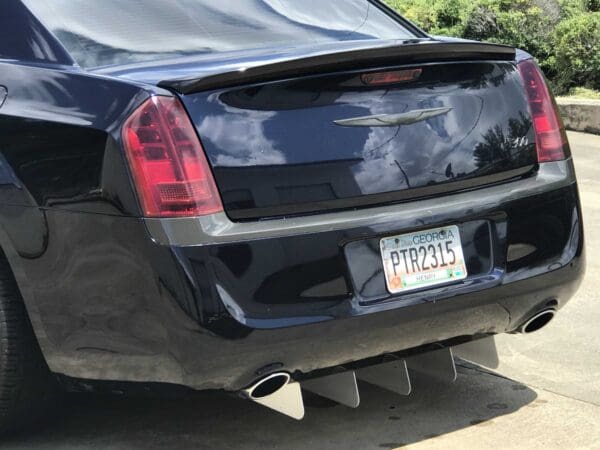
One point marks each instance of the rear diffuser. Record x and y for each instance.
(394, 376)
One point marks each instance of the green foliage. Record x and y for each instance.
(571, 8)
(562, 34)
(442, 17)
(524, 26)
(577, 52)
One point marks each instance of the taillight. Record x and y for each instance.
(551, 139)
(167, 161)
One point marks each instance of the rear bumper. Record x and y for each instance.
(205, 361)
(209, 303)
(407, 329)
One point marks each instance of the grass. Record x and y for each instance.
(585, 93)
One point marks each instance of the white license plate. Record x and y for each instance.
(423, 259)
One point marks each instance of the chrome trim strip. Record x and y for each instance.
(219, 229)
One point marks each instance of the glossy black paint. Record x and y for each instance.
(60, 139)
(276, 149)
(212, 316)
(108, 302)
(269, 279)
(324, 60)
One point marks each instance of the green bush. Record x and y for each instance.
(481, 24)
(439, 17)
(577, 52)
(571, 8)
(525, 26)
(562, 34)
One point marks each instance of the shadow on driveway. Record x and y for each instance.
(214, 420)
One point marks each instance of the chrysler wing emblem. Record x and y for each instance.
(393, 120)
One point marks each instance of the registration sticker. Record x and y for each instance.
(423, 259)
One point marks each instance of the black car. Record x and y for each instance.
(261, 196)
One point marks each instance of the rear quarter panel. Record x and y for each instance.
(59, 140)
(64, 190)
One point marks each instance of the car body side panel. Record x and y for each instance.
(59, 151)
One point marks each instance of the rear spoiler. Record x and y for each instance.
(374, 55)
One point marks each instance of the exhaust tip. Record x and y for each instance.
(278, 392)
(269, 385)
(537, 322)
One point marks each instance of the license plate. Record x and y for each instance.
(423, 259)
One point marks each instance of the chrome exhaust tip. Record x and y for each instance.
(279, 393)
(268, 386)
(537, 322)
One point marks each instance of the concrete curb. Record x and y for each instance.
(579, 114)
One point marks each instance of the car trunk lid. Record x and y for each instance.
(324, 130)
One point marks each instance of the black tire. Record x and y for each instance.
(27, 387)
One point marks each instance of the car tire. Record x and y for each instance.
(27, 388)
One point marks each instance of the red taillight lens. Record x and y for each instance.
(169, 167)
(550, 133)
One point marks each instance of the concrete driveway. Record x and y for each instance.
(546, 394)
